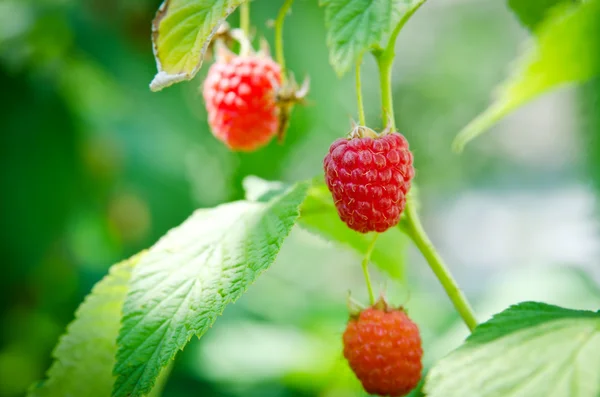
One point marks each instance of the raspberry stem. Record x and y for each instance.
(359, 98)
(365, 267)
(412, 224)
(385, 81)
(245, 17)
(279, 56)
(385, 59)
(414, 229)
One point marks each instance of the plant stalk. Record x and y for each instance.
(385, 60)
(359, 97)
(365, 267)
(385, 82)
(415, 230)
(412, 226)
(245, 17)
(279, 56)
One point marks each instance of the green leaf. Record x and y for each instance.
(401, 9)
(531, 349)
(319, 216)
(354, 26)
(185, 281)
(85, 355)
(181, 32)
(532, 12)
(567, 51)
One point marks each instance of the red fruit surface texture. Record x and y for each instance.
(369, 179)
(383, 348)
(239, 92)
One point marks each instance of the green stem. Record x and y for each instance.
(415, 230)
(385, 59)
(359, 98)
(412, 224)
(279, 56)
(245, 17)
(385, 82)
(365, 267)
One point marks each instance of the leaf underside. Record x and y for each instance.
(181, 32)
(566, 50)
(532, 12)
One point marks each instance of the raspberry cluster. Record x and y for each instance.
(383, 348)
(240, 97)
(369, 178)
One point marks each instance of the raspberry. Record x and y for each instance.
(383, 347)
(369, 176)
(239, 93)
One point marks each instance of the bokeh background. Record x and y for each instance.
(95, 167)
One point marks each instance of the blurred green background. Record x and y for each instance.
(95, 167)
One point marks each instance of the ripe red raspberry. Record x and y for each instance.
(369, 176)
(239, 93)
(383, 347)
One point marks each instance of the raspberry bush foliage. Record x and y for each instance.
(128, 331)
